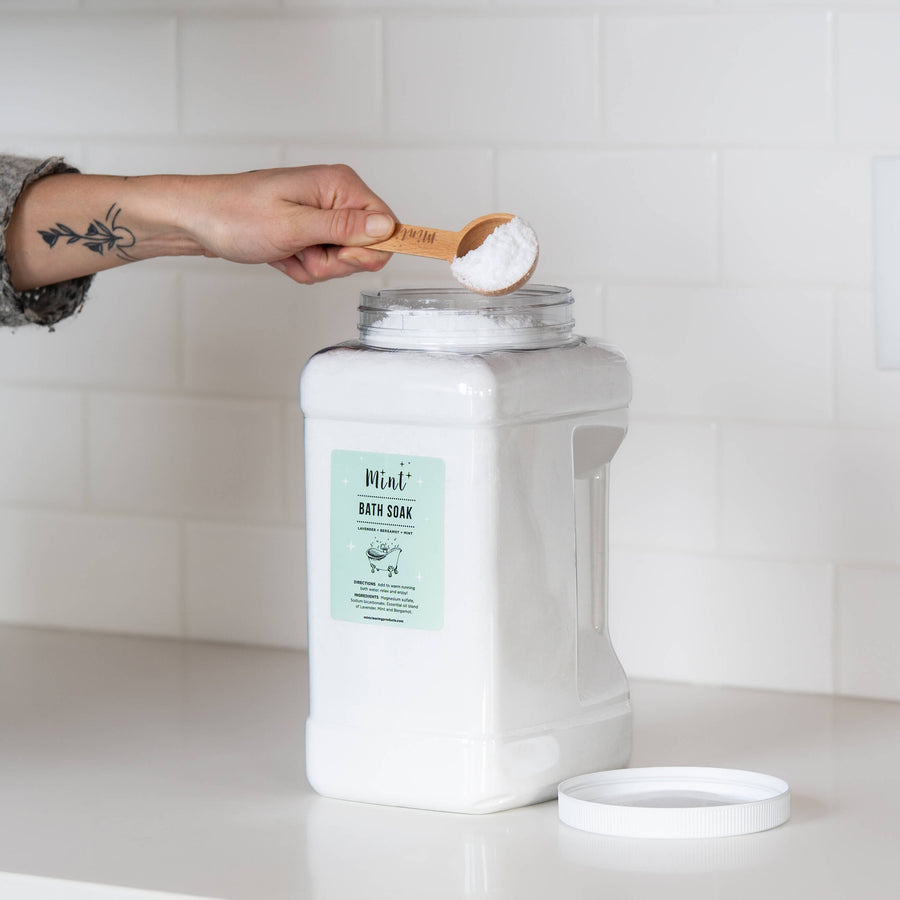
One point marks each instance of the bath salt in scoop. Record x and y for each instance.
(492, 255)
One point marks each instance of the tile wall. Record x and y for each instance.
(698, 171)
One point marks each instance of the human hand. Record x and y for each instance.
(311, 223)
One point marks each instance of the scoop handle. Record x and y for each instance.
(417, 241)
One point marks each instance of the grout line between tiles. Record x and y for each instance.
(182, 575)
(835, 630)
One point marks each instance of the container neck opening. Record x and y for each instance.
(454, 320)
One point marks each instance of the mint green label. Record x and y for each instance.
(387, 539)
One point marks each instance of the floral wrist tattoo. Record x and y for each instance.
(99, 237)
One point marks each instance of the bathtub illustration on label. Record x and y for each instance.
(383, 557)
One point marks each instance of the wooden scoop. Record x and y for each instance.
(436, 244)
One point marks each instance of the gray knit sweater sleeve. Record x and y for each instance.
(45, 305)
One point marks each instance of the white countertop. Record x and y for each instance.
(178, 767)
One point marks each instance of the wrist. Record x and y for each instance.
(155, 208)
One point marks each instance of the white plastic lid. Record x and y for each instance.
(674, 802)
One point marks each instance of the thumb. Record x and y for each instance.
(348, 227)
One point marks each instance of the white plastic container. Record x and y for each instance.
(457, 463)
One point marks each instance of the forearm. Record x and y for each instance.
(69, 225)
(310, 222)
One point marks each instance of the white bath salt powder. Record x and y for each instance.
(507, 255)
(451, 320)
(415, 325)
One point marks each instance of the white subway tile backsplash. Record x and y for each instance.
(37, 5)
(179, 5)
(459, 77)
(663, 486)
(271, 76)
(44, 147)
(722, 621)
(868, 632)
(108, 75)
(698, 171)
(822, 494)
(618, 215)
(394, 4)
(90, 572)
(727, 353)
(613, 6)
(251, 333)
(185, 457)
(753, 5)
(42, 447)
(866, 395)
(125, 337)
(718, 78)
(868, 73)
(405, 271)
(797, 216)
(180, 157)
(246, 585)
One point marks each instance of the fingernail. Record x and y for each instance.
(379, 225)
